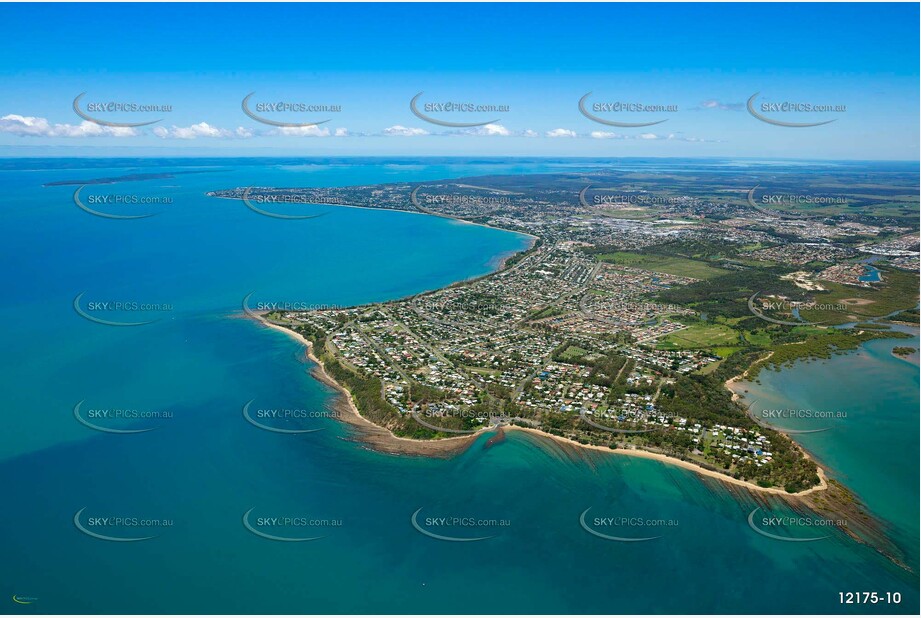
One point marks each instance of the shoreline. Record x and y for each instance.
(381, 439)
(410, 212)
(501, 262)
(681, 463)
(377, 437)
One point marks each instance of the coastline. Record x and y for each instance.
(411, 212)
(674, 461)
(500, 263)
(739, 378)
(380, 439)
(376, 437)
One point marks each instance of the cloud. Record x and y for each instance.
(714, 104)
(530, 133)
(561, 133)
(487, 130)
(492, 129)
(32, 126)
(202, 129)
(341, 132)
(309, 131)
(401, 131)
(607, 135)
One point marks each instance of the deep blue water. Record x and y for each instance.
(204, 467)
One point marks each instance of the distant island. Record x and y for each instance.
(903, 351)
(110, 180)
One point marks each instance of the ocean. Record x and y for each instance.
(199, 478)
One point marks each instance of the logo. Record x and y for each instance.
(618, 521)
(790, 107)
(120, 522)
(104, 215)
(286, 522)
(116, 306)
(248, 203)
(621, 107)
(777, 199)
(453, 522)
(775, 413)
(757, 313)
(276, 414)
(114, 107)
(281, 107)
(415, 415)
(24, 600)
(109, 413)
(780, 521)
(454, 107)
(582, 200)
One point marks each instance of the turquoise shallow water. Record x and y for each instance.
(870, 442)
(204, 467)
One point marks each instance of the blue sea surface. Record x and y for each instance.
(203, 471)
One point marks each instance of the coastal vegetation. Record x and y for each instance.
(819, 346)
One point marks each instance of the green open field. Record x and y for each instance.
(700, 336)
(682, 267)
(573, 352)
(758, 337)
(483, 371)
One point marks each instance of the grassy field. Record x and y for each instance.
(546, 313)
(483, 371)
(573, 352)
(700, 336)
(725, 351)
(759, 338)
(679, 266)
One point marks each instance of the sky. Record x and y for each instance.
(695, 66)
